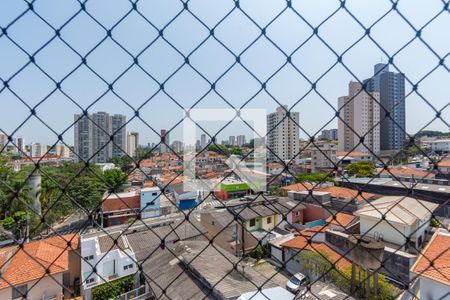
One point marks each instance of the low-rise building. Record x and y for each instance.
(239, 228)
(323, 156)
(440, 146)
(443, 169)
(150, 202)
(41, 269)
(400, 221)
(345, 158)
(230, 189)
(432, 268)
(198, 270)
(117, 252)
(294, 248)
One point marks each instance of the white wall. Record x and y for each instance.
(150, 195)
(389, 233)
(432, 290)
(45, 287)
(103, 263)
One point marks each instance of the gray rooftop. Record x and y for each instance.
(107, 242)
(268, 208)
(210, 268)
(145, 240)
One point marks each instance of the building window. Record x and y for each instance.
(252, 222)
(126, 267)
(89, 257)
(269, 220)
(90, 280)
(154, 194)
(19, 291)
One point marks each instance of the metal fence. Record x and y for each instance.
(75, 55)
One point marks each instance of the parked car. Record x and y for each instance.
(297, 281)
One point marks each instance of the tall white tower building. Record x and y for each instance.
(282, 134)
(361, 114)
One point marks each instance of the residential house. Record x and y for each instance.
(112, 257)
(293, 249)
(345, 158)
(432, 268)
(149, 202)
(443, 169)
(339, 199)
(117, 252)
(275, 168)
(405, 172)
(397, 220)
(239, 227)
(341, 221)
(41, 269)
(199, 270)
(323, 156)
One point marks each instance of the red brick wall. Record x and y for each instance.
(313, 212)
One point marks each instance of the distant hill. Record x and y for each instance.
(432, 133)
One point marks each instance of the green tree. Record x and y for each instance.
(314, 177)
(113, 289)
(17, 224)
(259, 252)
(320, 265)
(220, 149)
(363, 168)
(115, 178)
(276, 191)
(125, 163)
(236, 151)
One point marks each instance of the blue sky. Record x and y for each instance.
(211, 59)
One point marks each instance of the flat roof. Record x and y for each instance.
(442, 188)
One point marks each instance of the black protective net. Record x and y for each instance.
(356, 213)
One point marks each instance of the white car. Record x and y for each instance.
(296, 281)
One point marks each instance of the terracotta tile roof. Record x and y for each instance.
(19, 266)
(352, 154)
(125, 202)
(342, 219)
(437, 251)
(335, 191)
(274, 165)
(298, 187)
(301, 243)
(444, 163)
(403, 171)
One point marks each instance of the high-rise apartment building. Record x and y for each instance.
(282, 134)
(37, 150)
(232, 140)
(3, 140)
(83, 138)
(20, 145)
(119, 131)
(203, 140)
(101, 133)
(92, 137)
(391, 87)
(361, 114)
(165, 141)
(329, 134)
(62, 150)
(240, 140)
(132, 143)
